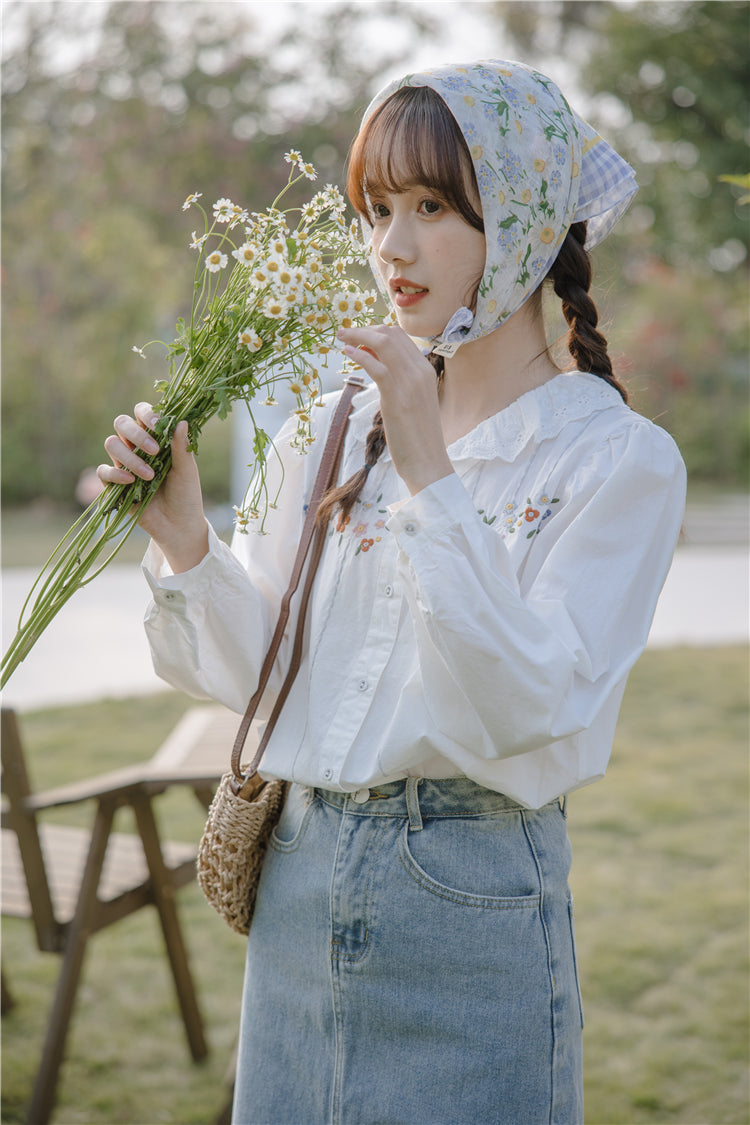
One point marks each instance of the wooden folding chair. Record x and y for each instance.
(73, 882)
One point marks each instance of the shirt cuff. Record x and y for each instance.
(171, 589)
(430, 513)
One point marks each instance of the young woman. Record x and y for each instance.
(495, 554)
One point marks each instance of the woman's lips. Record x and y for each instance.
(406, 294)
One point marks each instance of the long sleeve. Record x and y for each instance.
(513, 661)
(209, 628)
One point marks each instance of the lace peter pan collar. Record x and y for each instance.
(538, 414)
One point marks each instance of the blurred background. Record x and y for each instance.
(113, 112)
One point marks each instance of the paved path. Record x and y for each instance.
(96, 647)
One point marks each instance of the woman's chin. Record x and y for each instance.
(420, 329)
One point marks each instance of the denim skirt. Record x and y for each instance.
(412, 962)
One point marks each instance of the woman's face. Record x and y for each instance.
(428, 256)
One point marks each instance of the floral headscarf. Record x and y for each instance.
(539, 167)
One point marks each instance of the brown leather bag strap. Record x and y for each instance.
(326, 475)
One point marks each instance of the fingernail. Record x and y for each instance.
(150, 446)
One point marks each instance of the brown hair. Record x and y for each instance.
(570, 275)
(413, 138)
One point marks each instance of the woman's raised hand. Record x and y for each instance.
(408, 399)
(174, 517)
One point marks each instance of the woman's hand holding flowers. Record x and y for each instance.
(174, 518)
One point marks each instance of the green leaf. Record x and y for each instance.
(260, 442)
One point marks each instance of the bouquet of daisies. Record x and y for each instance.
(271, 289)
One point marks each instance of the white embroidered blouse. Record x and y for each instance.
(484, 627)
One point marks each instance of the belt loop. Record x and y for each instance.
(412, 804)
(564, 805)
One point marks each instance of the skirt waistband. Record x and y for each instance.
(415, 797)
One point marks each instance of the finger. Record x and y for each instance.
(132, 433)
(110, 474)
(180, 443)
(373, 336)
(146, 414)
(124, 457)
(367, 359)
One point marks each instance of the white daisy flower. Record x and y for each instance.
(249, 339)
(294, 296)
(216, 261)
(247, 254)
(277, 248)
(195, 195)
(313, 267)
(225, 211)
(274, 308)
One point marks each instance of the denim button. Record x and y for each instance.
(362, 796)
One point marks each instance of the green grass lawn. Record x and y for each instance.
(660, 880)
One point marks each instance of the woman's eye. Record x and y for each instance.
(431, 206)
(379, 211)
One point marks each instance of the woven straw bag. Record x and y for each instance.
(234, 843)
(245, 809)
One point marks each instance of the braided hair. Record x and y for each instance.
(570, 276)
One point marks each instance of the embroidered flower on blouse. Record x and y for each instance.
(531, 515)
(358, 530)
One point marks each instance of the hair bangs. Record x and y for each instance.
(413, 139)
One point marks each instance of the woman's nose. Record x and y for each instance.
(397, 243)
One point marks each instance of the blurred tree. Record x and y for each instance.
(668, 83)
(112, 114)
(682, 347)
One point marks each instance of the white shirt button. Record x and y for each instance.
(362, 796)
(328, 774)
(169, 597)
(410, 528)
(388, 591)
(363, 685)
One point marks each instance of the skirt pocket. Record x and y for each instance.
(483, 861)
(290, 830)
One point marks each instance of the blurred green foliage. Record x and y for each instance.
(167, 99)
(109, 122)
(668, 85)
